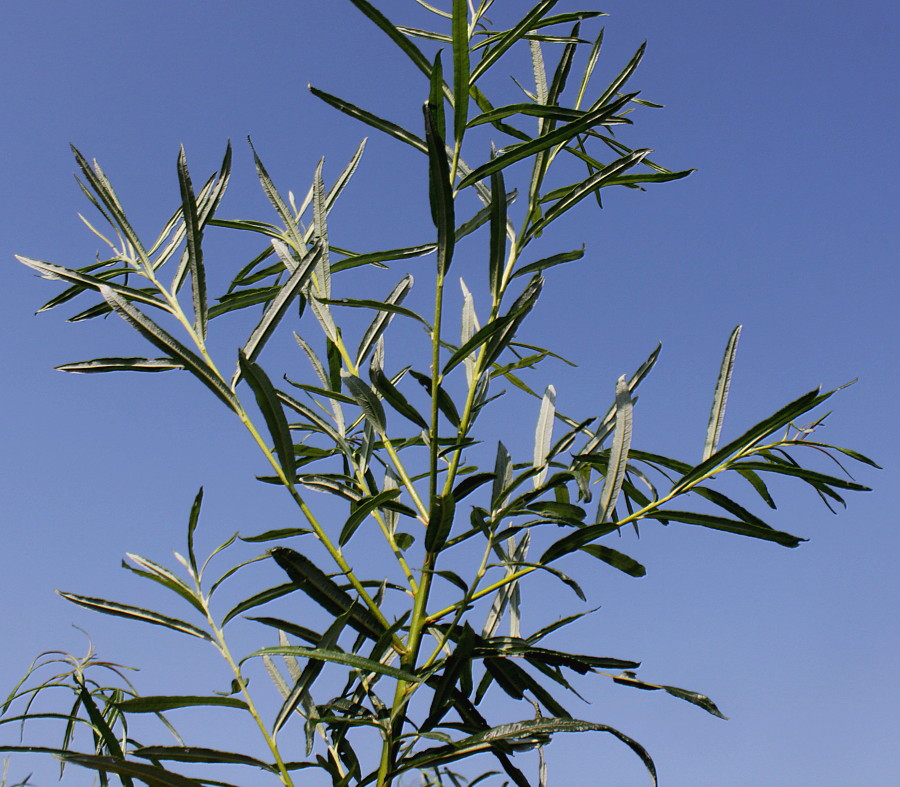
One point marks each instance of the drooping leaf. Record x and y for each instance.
(257, 599)
(701, 700)
(273, 413)
(396, 399)
(752, 436)
(149, 774)
(615, 559)
(362, 510)
(325, 592)
(522, 732)
(727, 525)
(48, 270)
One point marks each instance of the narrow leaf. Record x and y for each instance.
(325, 592)
(193, 231)
(157, 336)
(440, 191)
(391, 129)
(270, 406)
(618, 455)
(561, 135)
(120, 365)
(134, 613)
(720, 397)
(160, 704)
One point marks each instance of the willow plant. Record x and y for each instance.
(396, 443)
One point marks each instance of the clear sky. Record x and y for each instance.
(788, 111)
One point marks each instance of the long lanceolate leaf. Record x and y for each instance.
(392, 32)
(50, 271)
(325, 592)
(270, 406)
(460, 24)
(370, 119)
(380, 323)
(586, 188)
(522, 732)
(162, 339)
(618, 454)
(194, 237)
(720, 398)
(440, 191)
(286, 294)
(753, 436)
(148, 774)
(525, 24)
(98, 181)
(135, 613)
(602, 116)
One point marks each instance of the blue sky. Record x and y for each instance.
(786, 109)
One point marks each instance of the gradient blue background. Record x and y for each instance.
(788, 111)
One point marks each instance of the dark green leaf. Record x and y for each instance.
(391, 129)
(727, 525)
(460, 27)
(395, 399)
(602, 116)
(365, 507)
(440, 191)
(615, 559)
(263, 597)
(199, 754)
(160, 704)
(753, 435)
(325, 592)
(525, 25)
(149, 774)
(270, 407)
(193, 231)
(393, 32)
(520, 732)
(440, 522)
(628, 679)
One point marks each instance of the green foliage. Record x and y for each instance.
(398, 446)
